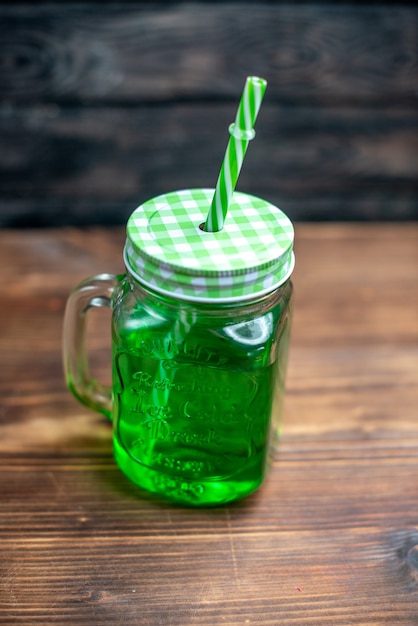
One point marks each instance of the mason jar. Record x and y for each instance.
(200, 336)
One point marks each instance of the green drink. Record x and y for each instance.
(200, 331)
(196, 409)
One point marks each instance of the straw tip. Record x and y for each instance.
(257, 81)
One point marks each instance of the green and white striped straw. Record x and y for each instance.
(241, 132)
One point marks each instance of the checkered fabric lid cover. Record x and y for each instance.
(167, 250)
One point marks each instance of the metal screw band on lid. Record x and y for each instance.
(167, 249)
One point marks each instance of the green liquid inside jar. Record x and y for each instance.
(197, 399)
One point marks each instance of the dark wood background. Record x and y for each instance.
(104, 105)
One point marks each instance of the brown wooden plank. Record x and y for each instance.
(83, 166)
(105, 561)
(331, 537)
(138, 51)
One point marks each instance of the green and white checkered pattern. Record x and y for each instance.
(167, 249)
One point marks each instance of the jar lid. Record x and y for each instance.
(167, 249)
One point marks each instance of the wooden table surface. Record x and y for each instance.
(332, 536)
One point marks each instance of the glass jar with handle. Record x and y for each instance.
(200, 335)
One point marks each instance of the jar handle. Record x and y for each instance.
(96, 291)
